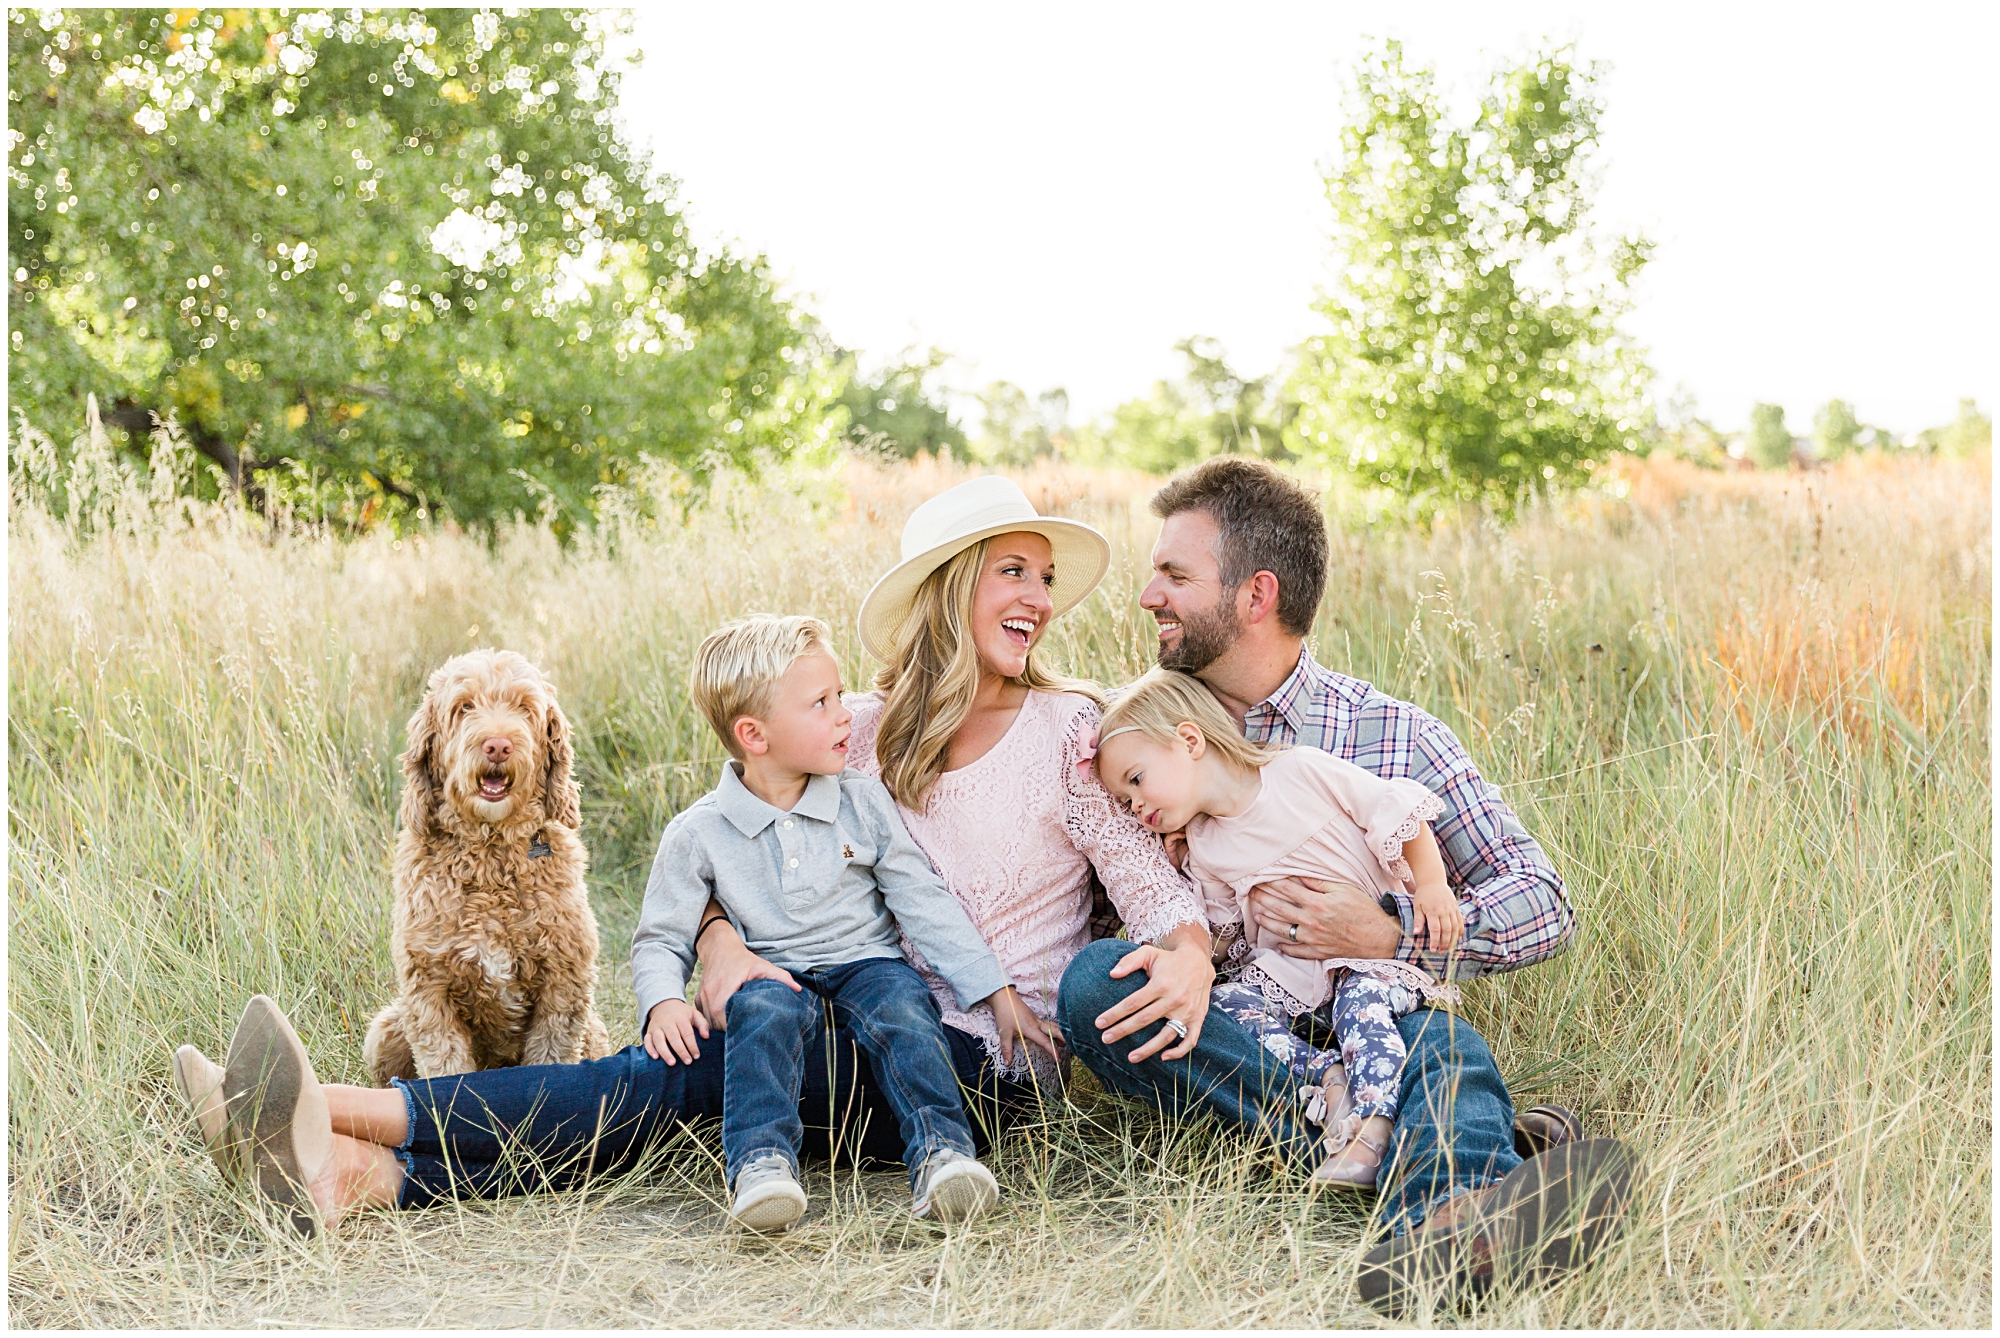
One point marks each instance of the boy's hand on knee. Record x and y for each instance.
(671, 1028)
(1018, 1026)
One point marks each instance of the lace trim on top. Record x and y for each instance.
(1389, 848)
(1152, 896)
(1025, 883)
(1391, 972)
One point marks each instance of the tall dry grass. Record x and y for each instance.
(1748, 718)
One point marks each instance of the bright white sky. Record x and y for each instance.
(1056, 193)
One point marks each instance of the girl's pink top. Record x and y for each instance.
(1316, 816)
(1015, 836)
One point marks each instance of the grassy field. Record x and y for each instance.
(1747, 715)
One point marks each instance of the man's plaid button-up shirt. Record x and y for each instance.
(1515, 910)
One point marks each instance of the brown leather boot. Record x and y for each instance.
(1544, 1127)
(1551, 1215)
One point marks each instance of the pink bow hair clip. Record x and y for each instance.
(1086, 755)
(1086, 759)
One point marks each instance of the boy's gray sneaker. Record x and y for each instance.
(768, 1195)
(955, 1185)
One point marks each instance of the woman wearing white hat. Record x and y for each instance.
(988, 756)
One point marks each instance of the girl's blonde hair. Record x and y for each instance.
(932, 677)
(1161, 702)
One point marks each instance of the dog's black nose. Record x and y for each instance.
(498, 749)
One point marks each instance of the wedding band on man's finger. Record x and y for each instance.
(1179, 1027)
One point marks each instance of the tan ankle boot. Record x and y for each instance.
(200, 1080)
(277, 1111)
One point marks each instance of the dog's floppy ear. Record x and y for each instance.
(420, 782)
(561, 803)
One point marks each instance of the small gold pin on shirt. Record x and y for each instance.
(847, 852)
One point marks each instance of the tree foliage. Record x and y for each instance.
(1016, 429)
(1836, 431)
(1769, 443)
(1967, 434)
(396, 255)
(900, 410)
(1474, 345)
(1208, 410)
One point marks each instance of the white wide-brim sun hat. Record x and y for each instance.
(954, 521)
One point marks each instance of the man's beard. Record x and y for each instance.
(1203, 639)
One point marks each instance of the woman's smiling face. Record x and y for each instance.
(1011, 605)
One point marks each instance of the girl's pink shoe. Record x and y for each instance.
(1348, 1170)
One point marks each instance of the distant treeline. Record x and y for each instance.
(388, 266)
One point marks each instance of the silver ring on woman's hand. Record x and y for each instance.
(1180, 1027)
(1293, 933)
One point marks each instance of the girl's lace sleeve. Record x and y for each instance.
(1149, 892)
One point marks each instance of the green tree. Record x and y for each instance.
(398, 253)
(1208, 410)
(1966, 434)
(1473, 346)
(1836, 431)
(1769, 444)
(1017, 430)
(900, 410)
(1679, 429)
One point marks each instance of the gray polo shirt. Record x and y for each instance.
(823, 885)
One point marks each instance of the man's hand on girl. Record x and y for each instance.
(1333, 919)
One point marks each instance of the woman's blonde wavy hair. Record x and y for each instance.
(932, 677)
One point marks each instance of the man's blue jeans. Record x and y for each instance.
(1454, 1132)
(887, 1009)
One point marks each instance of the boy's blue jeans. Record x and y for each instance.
(774, 1032)
(1454, 1132)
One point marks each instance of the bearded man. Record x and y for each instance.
(1470, 1195)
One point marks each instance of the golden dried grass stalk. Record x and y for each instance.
(1748, 715)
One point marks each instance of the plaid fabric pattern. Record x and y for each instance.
(1515, 910)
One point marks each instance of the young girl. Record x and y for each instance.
(1252, 813)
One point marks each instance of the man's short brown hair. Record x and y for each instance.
(1268, 523)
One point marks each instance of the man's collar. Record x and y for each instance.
(1291, 696)
(1293, 700)
(751, 815)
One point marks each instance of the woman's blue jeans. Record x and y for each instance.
(520, 1130)
(1454, 1132)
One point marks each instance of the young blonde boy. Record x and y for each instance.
(813, 867)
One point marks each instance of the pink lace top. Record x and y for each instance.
(1317, 816)
(1014, 835)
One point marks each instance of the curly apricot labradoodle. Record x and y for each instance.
(495, 945)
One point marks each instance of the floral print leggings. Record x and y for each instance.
(1364, 1012)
